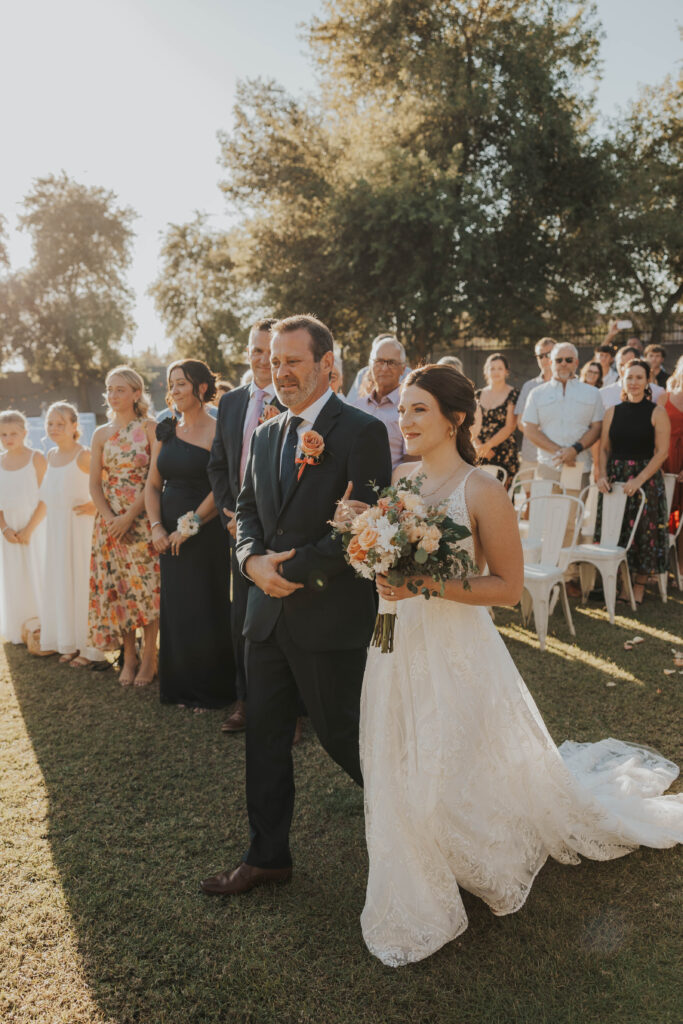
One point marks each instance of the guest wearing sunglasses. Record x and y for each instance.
(563, 419)
(387, 363)
(542, 350)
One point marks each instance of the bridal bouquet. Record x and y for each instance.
(408, 541)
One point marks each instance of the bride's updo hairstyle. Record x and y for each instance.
(455, 394)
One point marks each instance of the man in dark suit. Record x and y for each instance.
(309, 617)
(239, 414)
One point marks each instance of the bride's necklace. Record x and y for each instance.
(428, 494)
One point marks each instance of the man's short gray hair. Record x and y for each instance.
(564, 344)
(388, 339)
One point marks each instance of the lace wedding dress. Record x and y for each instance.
(465, 787)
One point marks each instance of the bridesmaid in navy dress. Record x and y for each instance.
(195, 647)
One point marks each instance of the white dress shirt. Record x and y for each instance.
(308, 418)
(563, 414)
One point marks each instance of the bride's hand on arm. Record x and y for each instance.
(389, 593)
(347, 509)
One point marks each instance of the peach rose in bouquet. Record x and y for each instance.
(408, 541)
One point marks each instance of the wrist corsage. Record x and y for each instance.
(188, 525)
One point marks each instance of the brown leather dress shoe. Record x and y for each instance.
(242, 879)
(237, 722)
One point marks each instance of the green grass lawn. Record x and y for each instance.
(113, 807)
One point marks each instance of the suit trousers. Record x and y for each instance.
(280, 674)
(238, 611)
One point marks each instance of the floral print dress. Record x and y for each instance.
(124, 574)
(505, 454)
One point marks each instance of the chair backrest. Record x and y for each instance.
(499, 472)
(548, 517)
(528, 485)
(669, 487)
(613, 505)
(589, 497)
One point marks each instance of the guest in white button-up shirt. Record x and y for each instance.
(562, 418)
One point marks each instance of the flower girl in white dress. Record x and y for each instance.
(70, 512)
(463, 783)
(22, 514)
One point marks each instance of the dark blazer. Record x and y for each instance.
(335, 610)
(226, 451)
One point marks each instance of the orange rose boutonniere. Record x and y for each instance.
(312, 448)
(269, 411)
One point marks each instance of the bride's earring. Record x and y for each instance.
(451, 432)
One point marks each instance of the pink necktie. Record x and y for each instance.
(249, 428)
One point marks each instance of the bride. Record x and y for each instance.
(463, 783)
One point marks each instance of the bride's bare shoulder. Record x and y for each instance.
(486, 495)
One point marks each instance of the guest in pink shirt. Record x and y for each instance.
(387, 363)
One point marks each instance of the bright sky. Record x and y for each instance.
(129, 94)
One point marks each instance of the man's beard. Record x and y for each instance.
(293, 399)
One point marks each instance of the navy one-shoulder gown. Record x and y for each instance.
(196, 665)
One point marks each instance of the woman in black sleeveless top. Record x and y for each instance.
(633, 448)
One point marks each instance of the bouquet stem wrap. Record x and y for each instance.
(385, 624)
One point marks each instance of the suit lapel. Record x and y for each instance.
(323, 424)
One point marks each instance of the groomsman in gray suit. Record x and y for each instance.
(239, 413)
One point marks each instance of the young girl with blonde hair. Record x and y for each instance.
(64, 614)
(22, 514)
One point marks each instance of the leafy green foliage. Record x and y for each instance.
(439, 182)
(68, 312)
(639, 234)
(197, 294)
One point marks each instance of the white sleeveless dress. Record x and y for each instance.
(465, 787)
(66, 587)
(21, 565)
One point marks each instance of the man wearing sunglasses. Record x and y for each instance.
(542, 350)
(563, 419)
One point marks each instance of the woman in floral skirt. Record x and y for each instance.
(124, 577)
(493, 431)
(633, 449)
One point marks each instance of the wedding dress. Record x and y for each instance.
(465, 787)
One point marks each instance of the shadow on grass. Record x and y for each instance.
(144, 800)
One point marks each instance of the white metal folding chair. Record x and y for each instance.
(541, 577)
(499, 472)
(589, 496)
(607, 556)
(530, 529)
(520, 486)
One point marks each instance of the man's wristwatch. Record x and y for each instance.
(578, 447)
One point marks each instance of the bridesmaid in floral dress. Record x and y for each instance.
(124, 572)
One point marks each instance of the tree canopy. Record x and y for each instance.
(641, 231)
(196, 293)
(70, 309)
(447, 179)
(438, 181)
